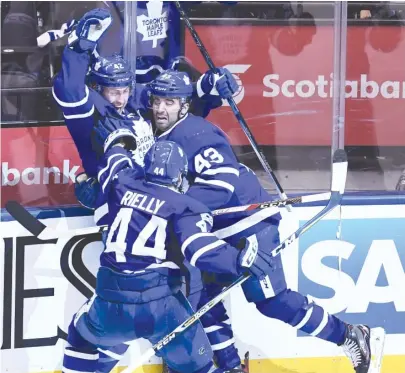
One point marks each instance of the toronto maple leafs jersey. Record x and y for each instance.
(83, 107)
(218, 180)
(152, 222)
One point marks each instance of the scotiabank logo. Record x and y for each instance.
(323, 87)
(38, 175)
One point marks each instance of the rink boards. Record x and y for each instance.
(361, 278)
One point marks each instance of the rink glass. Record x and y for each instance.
(313, 77)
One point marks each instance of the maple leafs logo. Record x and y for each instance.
(97, 65)
(153, 27)
(186, 80)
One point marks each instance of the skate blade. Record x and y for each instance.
(377, 339)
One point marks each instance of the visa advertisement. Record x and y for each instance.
(360, 278)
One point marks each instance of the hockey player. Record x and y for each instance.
(108, 96)
(106, 103)
(138, 285)
(219, 181)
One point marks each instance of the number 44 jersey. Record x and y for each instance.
(151, 223)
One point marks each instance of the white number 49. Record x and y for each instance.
(205, 159)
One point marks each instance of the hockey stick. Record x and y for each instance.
(277, 203)
(43, 232)
(151, 351)
(339, 173)
(233, 106)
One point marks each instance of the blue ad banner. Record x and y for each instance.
(361, 277)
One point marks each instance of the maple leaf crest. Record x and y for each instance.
(153, 27)
(97, 65)
(186, 80)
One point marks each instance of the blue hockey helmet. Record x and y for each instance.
(171, 84)
(111, 71)
(166, 163)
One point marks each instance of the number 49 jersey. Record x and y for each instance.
(151, 223)
(218, 179)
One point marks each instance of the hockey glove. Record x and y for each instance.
(123, 136)
(109, 132)
(222, 83)
(89, 30)
(87, 190)
(253, 256)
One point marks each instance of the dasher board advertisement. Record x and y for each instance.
(360, 278)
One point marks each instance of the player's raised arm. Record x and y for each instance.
(69, 88)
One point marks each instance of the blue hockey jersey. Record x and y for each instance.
(152, 221)
(83, 107)
(217, 178)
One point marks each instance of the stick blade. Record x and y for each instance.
(339, 171)
(29, 222)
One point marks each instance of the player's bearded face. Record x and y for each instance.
(166, 112)
(117, 97)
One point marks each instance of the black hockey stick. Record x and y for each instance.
(339, 173)
(44, 232)
(41, 230)
(232, 104)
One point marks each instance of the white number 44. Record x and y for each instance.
(205, 159)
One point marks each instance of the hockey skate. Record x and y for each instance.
(364, 347)
(243, 368)
(239, 369)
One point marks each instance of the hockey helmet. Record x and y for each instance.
(111, 71)
(171, 84)
(166, 163)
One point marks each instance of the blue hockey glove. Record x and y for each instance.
(254, 256)
(89, 30)
(87, 190)
(221, 84)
